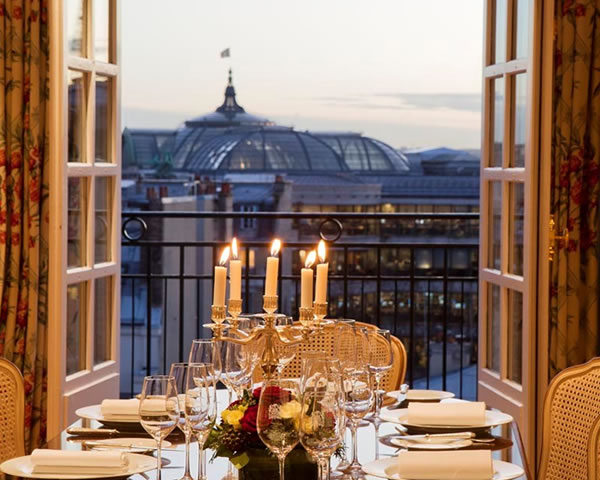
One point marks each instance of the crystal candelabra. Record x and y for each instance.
(311, 319)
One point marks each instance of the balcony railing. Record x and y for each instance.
(415, 274)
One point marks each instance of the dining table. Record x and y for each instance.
(506, 445)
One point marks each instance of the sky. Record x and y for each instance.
(406, 72)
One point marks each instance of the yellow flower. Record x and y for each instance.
(232, 417)
(307, 425)
(290, 409)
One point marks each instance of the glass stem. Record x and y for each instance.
(158, 458)
(281, 467)
(187, 455)
(378, 396)
(323, 469)
(353, 429)
(201, 463)
(376, 424)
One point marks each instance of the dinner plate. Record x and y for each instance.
(93, 412)
(421, 395)
(493, 418)
(435, 445)
(22, 467)
(502, 470)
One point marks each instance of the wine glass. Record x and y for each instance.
(357, 401)
(159, 410)
(200, 407)
(238, 365)
(278, 418)
(285, 353)
(321, 425)
(320, 371)
(206, 350)
(179, 373)
(381, 359)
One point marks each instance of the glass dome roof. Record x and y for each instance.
(232, 139)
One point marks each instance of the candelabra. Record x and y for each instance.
(311, 323)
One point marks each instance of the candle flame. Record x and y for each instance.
(321, 251)
(275, 247)
(234, 249)
(224, 256)
(310, 259)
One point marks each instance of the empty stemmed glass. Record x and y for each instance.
(381, 359)
(278, 418)
(200, 407)
(179, 373)
(321, 423)
(206, 350)
(159, 410)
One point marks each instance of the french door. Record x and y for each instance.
(83, 350)
(509, 205)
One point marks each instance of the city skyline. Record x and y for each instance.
(337, 66)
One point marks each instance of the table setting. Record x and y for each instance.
(318, 425)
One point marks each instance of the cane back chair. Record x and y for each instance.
(324, 342)
(12, 406)
(571, 425)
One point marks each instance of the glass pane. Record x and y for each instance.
(522, 36)
(498, 121)
(103, 112)
(515, 258)
(493, 328)
(76, 116)
(515, 336)
(102, 251)
(102, 317)
(75, 27)
(100, 16)
(76, 328)
(495, 203)
(77, 222)
(500, 31)
(520, 107)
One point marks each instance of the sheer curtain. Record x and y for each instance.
(23, 201)
(575, 184)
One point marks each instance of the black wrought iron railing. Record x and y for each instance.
(415, 274)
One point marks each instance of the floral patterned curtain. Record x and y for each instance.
(575, 184)
(23, 201)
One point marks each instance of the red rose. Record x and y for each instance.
(15, 219)
(248, 421)
(567, 4)
(34, 190)
(15, 160)
(2, 238)
(17, 13)
(580, 10)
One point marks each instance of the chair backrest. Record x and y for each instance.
(324, 342)
(12, 408)
(570, 445)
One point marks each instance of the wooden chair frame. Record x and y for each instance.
(12, 414)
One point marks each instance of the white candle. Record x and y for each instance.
(235, 274)
(272, 269)
(306, 291)
(220, 279)
(322, 269)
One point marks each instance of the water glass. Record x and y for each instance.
(179, 373)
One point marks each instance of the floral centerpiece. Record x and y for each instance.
(236, 438)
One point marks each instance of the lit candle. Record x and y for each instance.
(272, 269)
(306, 292)
(321, 288)
(235, 273)
(220, 279)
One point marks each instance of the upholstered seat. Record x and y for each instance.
(12, 405)
(571, 426)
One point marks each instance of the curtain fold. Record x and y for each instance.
(575, 190)
(24, 80)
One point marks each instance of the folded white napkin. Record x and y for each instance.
(465, 465)
(120, 408)
(453, 414)
(66, 461)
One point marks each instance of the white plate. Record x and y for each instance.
(421, 395)
(502, 470)
(441, 445)
(93, 412)
(493, 418)
(22, 467)
(133, 444)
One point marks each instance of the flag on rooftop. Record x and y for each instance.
(225, 53)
